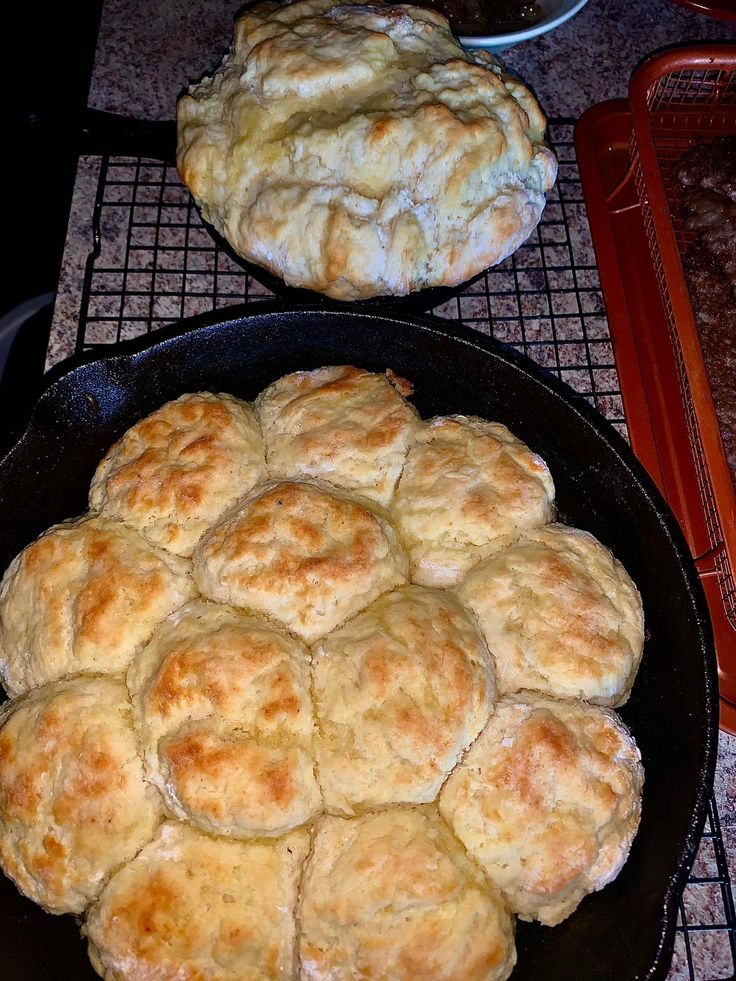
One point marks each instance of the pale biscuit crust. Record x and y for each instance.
(358, 149)
(84, 597)
(342, 424)
(225, 717)
(191, 906)
(174, 473)
(303, 553)
(560, 614)
(547, 801)
(73, 802)
(400, 692)
(393, 895)
(466, 482)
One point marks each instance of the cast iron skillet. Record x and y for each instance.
(627, 930)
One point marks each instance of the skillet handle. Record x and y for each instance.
(109, 133)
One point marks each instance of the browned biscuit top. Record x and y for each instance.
(174, 473)
(303, 553)
(393, 895)
(194, 907)
(400, 691)
(547, 801)
(342, 424)
(73, 802)
(84, 597)
(560, 614)
(225, 718)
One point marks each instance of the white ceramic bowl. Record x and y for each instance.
(556, 13)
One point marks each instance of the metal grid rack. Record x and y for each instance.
(706, 922)
(153, 262)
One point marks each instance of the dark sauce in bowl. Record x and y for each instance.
(489, 17)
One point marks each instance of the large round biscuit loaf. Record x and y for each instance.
(358, 150)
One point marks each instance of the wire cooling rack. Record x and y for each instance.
(153, 262)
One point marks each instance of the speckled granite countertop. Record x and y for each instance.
(147, 53)
(144, 59)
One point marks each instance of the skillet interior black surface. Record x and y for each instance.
(624, 932)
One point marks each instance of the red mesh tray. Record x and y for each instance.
(654, 387)
(677, 98)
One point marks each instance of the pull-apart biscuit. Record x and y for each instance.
(73, 802)
(560, 615)
(223, 707)
(192, 906)
(341, 424)
(84, 597)
(303, 553)
(547, 801)
(466, 482)
(400, 692)
(393, 895)
(173, 474)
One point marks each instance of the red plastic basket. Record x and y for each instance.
(678, 98)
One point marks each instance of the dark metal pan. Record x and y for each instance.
(627, 930)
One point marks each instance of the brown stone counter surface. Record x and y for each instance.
(147, 53)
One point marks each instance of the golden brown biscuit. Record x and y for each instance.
(466, 482)
(560, 615)
(400, 692)
(190, 906)
(73, 802)
(547, 801)
(225, 718)
(84, 597)
(341, 424)
(358, 149)
(393, 895)
(303, 553)
(173, 474)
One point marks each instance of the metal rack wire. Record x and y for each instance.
(706, 924)
(153, 262)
